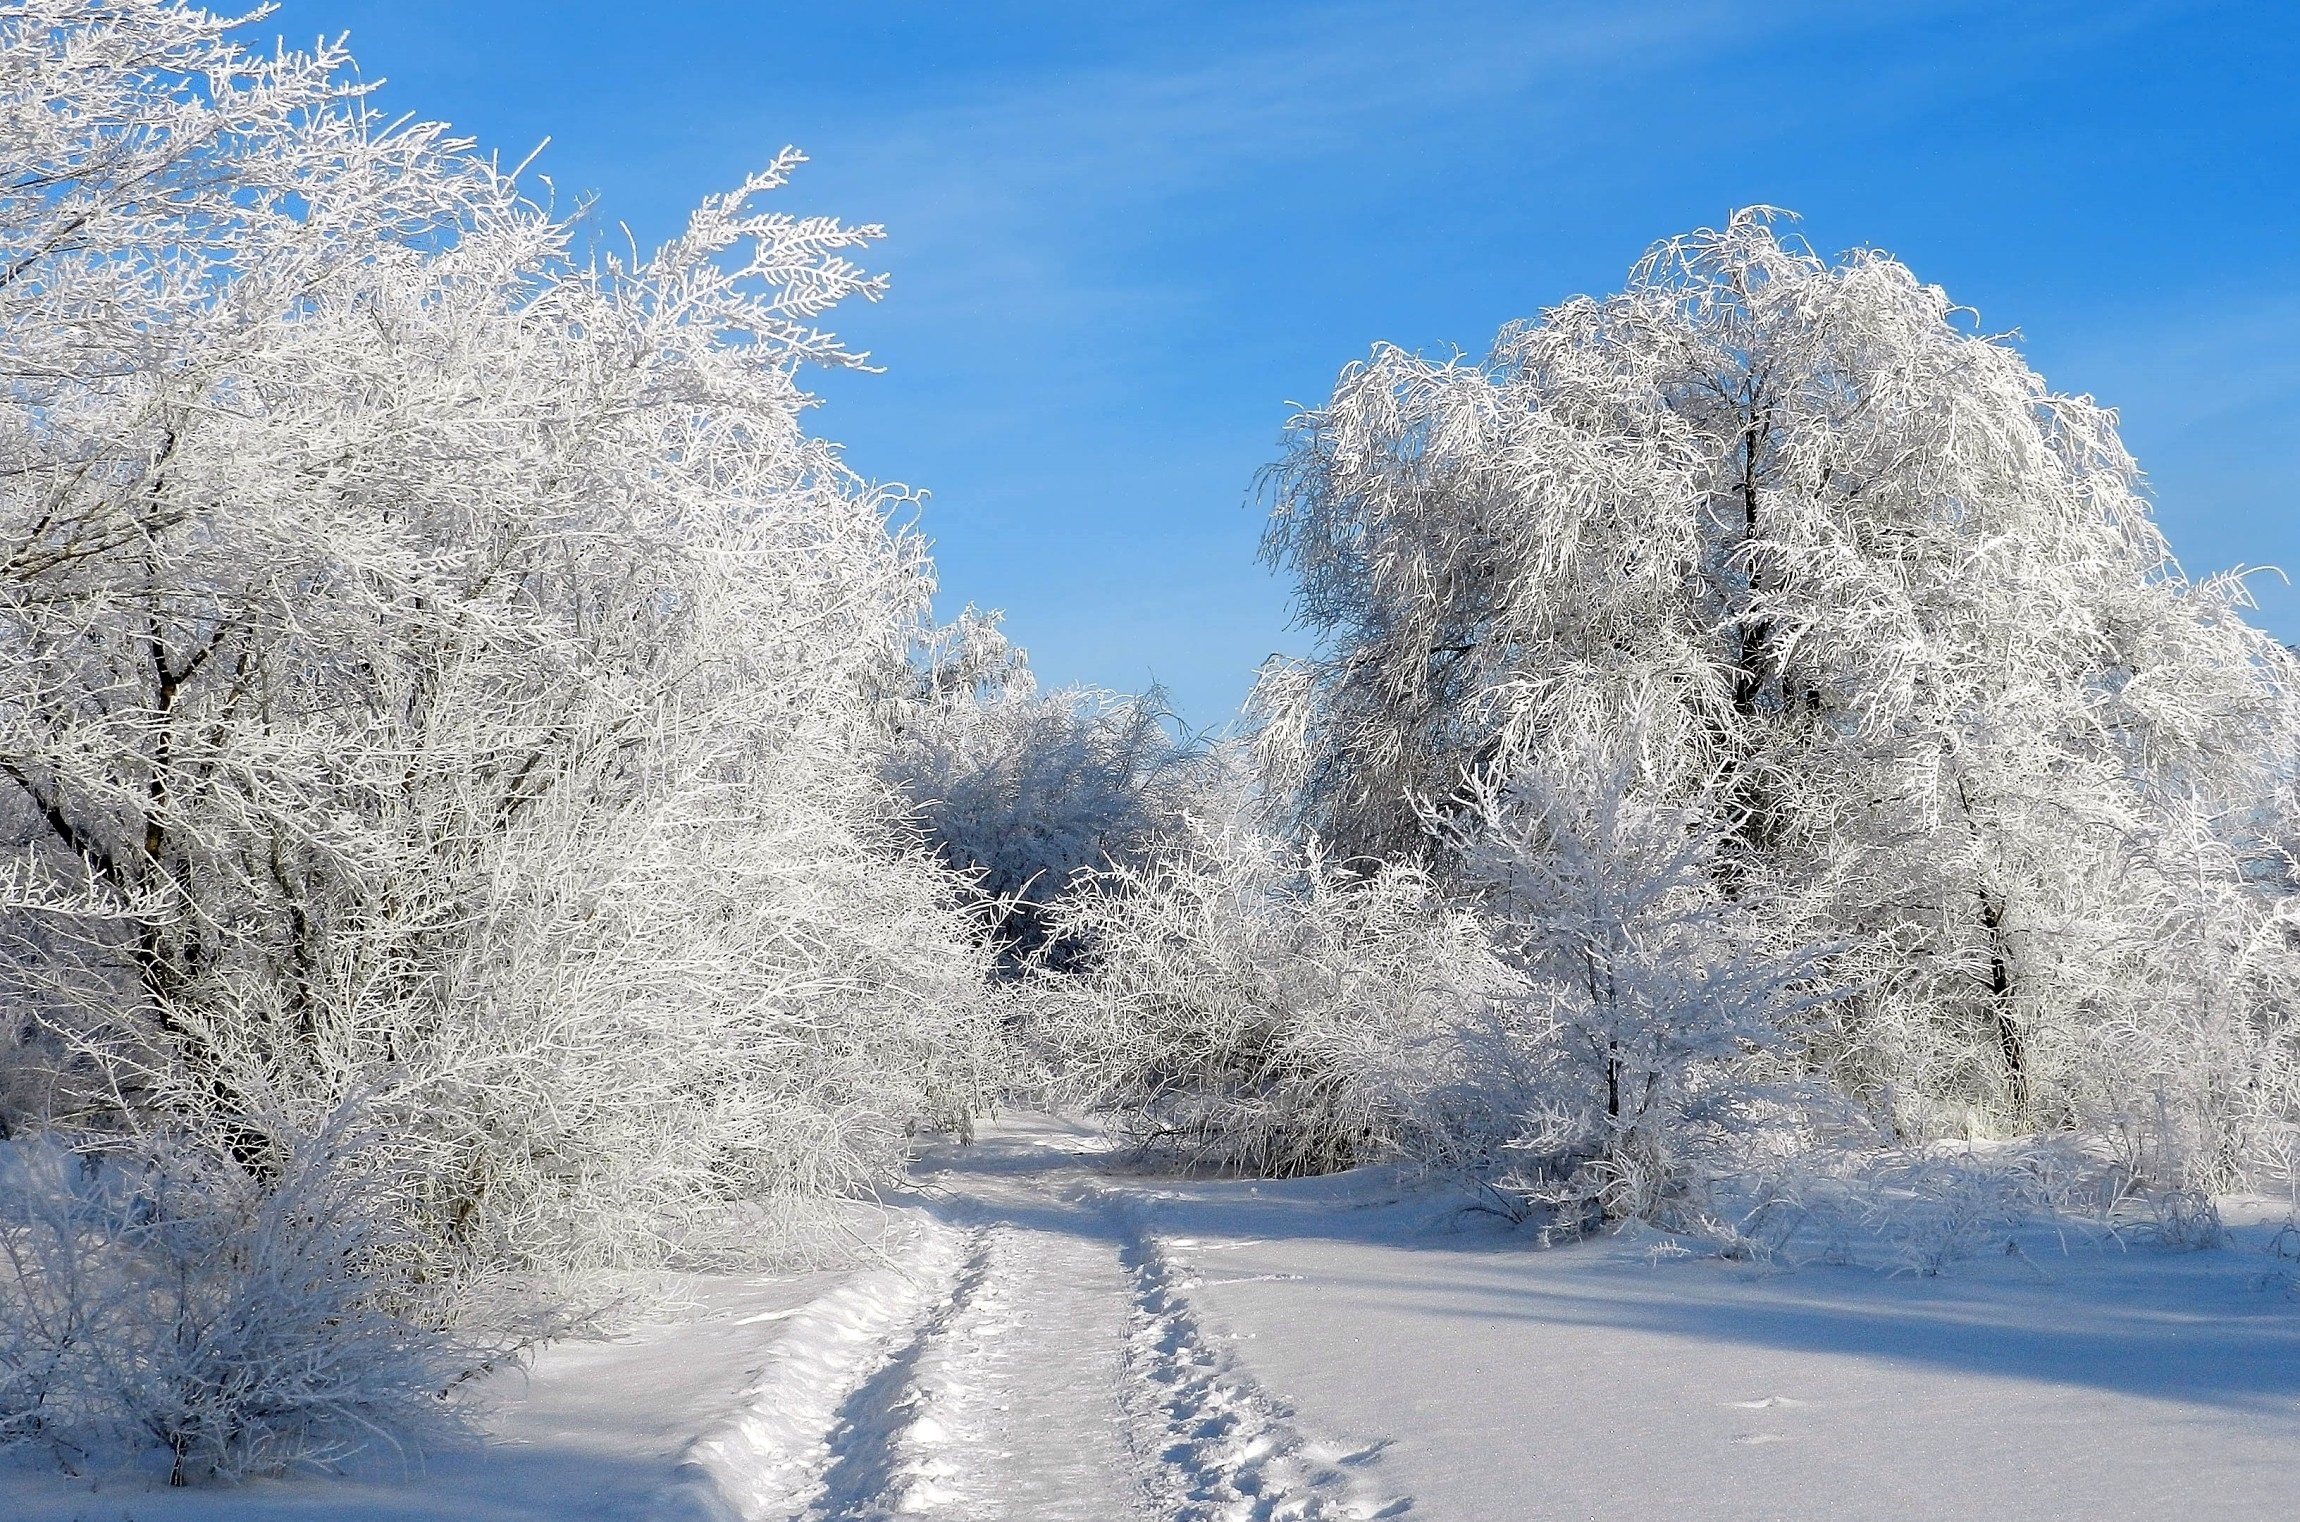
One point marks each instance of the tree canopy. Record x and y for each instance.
(1887, 609)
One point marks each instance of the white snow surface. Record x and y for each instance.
(1042, 1333)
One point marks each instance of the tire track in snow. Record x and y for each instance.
(1068, 1380)
(1216, 1446)
(1037, 1362)
(1017, 1409)
(769, 1460)
(875, 1473)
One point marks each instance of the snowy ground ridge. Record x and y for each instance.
(1221, 1448)
(796, 1430)
(878, 1468)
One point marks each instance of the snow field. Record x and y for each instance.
(1620, 1379)
(1040, 1336)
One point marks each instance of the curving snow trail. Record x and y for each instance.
(1063, 1378)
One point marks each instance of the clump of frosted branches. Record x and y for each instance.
(156, 1293)
(1024, 791)
(1245, 1005)
(1649, 999)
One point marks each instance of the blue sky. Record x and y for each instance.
(1125, 236)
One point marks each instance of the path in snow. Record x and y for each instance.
(1065, 1380)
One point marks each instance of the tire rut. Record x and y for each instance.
(870, 1472)
(1065, 1377)
(1215, 1445)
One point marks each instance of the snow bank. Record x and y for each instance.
(715, 1409)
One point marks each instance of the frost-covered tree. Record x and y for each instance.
(1912, 630)
(1640, 993)
(439, 671)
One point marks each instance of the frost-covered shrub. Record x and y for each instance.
(1023, 791)
(2182, 1046)
(1645, 999)
(159, 1294)
(1936, 1207)
(1250, 1006)
(1919, 1210)
(1587, 1023)
(668, 1011)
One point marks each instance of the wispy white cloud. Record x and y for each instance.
(1093, 325)
(2180, 364)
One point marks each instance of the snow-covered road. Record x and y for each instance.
(1044, 1335)
(1065, 1378)
(1358, 1347)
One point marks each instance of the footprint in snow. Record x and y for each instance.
(1766, 1403)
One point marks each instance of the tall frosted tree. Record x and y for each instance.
(436, 669)
(1888, 609)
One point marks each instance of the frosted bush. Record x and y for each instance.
(159, 1294)
(1254, 1007)
(1925, 1209)
(1580, 1025)
(2188, 1220)
(1936, 1207)
(1023, 791)
(1648, 1002)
